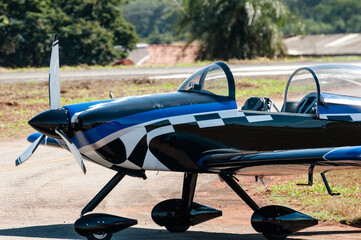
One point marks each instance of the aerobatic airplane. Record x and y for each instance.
(200, 129)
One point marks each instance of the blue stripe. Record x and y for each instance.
(344, 153)
(338, 109)
(201, 161)
(93, 135)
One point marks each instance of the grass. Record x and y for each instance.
(315, 200)
(273, 88)
(19, 102)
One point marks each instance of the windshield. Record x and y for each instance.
(301, 83)
(215, 79)
(339, 79)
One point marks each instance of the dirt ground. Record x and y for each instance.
(43, 198)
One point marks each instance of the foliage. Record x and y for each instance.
(327, 16)
(88, 31)
(154, 19)
(235, 28)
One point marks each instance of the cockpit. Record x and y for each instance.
(320, 90)
(324, 90)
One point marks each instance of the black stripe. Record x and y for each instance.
(157, 125)
(235, 120)
(56, 43)
(207, 117)
(138, 155)
(346, 118)
(259, 113)
(113, 152)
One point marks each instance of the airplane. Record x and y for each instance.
(199, 129)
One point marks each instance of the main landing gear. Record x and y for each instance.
(274, 222)
(100, 226)
(177, 215)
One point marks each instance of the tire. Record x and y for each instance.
(177, 228)
(100, 236)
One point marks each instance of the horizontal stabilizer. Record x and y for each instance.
(45, 141)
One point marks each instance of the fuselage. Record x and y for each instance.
(174, 131)
(177, 131)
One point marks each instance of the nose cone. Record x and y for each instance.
(46, 122)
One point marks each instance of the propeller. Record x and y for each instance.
(55, 121)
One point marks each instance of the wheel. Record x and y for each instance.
(274, 236)
(177, 227)
(167, 214)
(99, 236)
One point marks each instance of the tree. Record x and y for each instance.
(88, 31)
(154, 19)
(327, 16)
(234, 28)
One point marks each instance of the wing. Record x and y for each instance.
(282, 162)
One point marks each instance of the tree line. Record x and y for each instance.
(88, 31)
(224, 29)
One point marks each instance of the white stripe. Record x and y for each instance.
(152, 163)
(323, 116)
(259, 118)
(128, 164)
(159, 131)
(112, 137)
(210, 123)
(356, 117)
(182, 119)
(131, 139)
(231, 114)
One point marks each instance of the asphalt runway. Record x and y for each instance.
(238, 70)
(43, 198)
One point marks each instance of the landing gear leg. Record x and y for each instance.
(102, 226)
(240, 192)
(274, 222)
(177, 215)
(189, 187)
(103, 193)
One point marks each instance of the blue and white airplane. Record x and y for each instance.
(200, 129)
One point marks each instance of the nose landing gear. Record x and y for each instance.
(100, 226)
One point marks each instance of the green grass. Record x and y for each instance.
(260, 87)
(315, 200)
(25, 100)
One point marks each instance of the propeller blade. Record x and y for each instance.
(28, 152)
(54, 82)
(74, 150)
